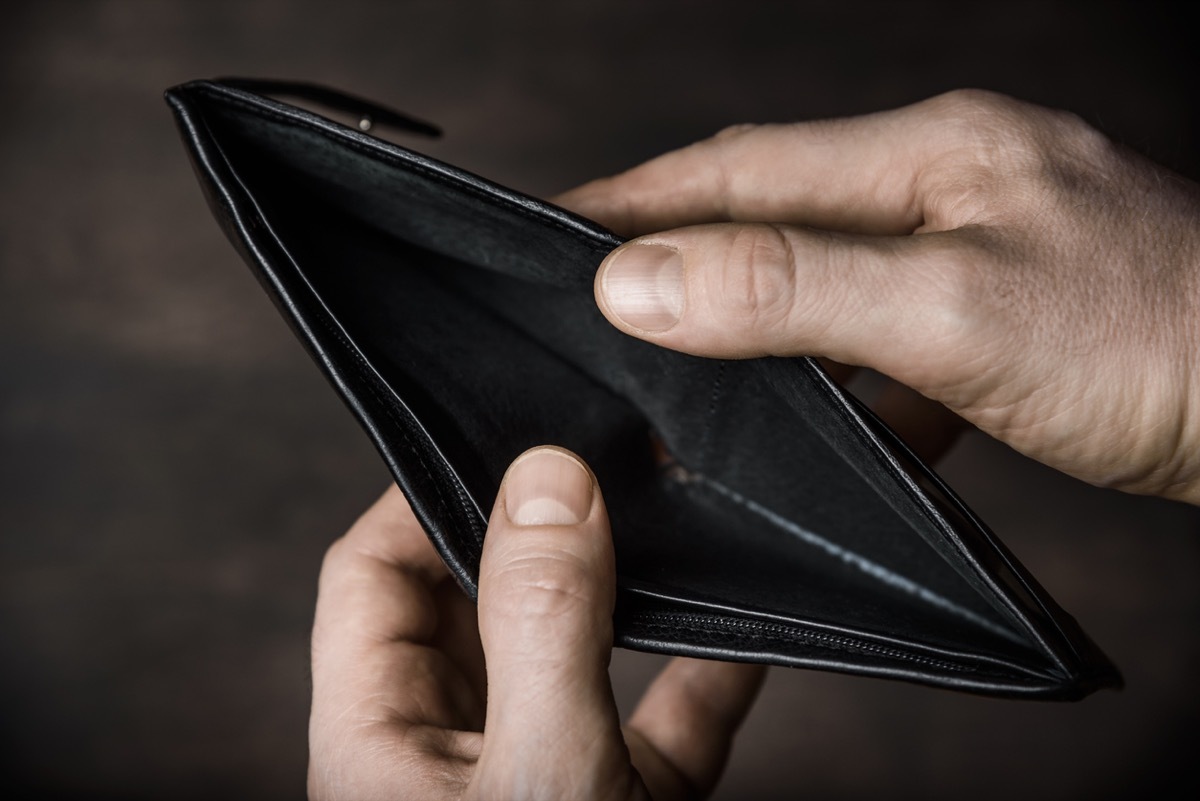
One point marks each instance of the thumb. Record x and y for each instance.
(547, 586)
(745, 290)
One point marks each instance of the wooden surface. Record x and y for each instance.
(172, 466)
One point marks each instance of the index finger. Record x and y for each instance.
(871, 174)
(852, 174)
(390, 705)
(375, 649)
(374, 580)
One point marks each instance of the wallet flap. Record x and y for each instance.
(759, 512)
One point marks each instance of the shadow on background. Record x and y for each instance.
(172, 466)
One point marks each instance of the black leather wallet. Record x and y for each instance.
(759, 512)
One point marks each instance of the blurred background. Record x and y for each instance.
(172, 466)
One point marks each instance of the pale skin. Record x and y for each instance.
(1005, 264)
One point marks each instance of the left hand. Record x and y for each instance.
(404, 708)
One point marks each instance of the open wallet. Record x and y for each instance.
(760, 513)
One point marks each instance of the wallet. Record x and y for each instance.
(760, 513)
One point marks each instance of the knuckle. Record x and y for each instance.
(723, 152)
(977, 110)
(734, 131)
(757, 279)
(999, 155)
(994, 152)
(1005, 133)
(989, 126)
(335, 555)
(970, 101)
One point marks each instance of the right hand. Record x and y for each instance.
(1002, 259)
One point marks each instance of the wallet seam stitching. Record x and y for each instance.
(710, 419)
(787, 634)
(667, 621)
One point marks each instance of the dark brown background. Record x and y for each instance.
(172, 466)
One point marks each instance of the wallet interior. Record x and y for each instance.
(755, 507)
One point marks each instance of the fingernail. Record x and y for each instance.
(643, 285)
(547, 487)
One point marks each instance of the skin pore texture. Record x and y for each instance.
(1005, 264)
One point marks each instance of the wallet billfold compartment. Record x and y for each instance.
(759, 512)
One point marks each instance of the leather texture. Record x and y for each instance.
(759, 512)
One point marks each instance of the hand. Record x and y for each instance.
(1002, 259)
(399, 703)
